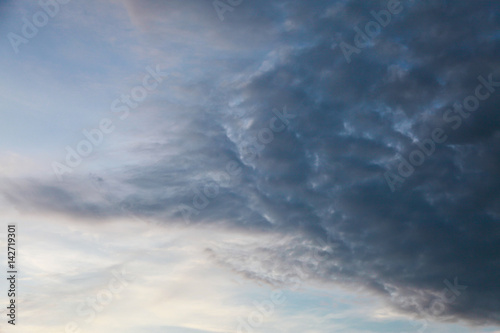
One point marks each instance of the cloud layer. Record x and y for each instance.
(320, 178)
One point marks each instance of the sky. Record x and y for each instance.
(251, 166)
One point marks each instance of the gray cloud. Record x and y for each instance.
(323, 176)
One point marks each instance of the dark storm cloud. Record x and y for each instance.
(322, 177)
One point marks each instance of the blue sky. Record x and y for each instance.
(221, 153)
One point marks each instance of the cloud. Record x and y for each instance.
(322, 177)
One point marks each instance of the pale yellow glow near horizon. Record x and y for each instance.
(176, 283)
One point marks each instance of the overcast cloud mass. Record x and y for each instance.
(275, 126)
